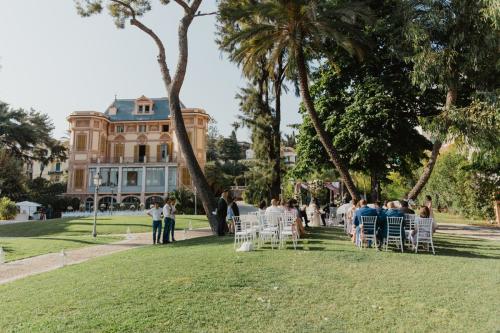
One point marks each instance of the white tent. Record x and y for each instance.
(28, 207)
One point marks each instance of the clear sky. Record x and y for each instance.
(57, 62)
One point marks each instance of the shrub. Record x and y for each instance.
(8, 209)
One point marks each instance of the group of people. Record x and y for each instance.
(227, 208)
(168, 214)
(388, 209)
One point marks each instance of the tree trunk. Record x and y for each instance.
(374, 186)
(173, 87)
(451, 98)
(276, 180)
(323, 136)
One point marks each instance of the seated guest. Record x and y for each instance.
(363, 210)
(424, 212)
(274, 208)
(392, 211)
(378, 206)
(405, 209)
(262, 207)
(292, 208)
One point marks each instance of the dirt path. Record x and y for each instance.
(19, 269)
(470, 231)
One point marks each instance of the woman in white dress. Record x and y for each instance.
(315, 214)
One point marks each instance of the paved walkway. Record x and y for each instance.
(19, 269)
(472, 231)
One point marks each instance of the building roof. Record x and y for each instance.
(125, 110)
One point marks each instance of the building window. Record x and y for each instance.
(172, 178)
(119, 129)
(142, 128)
(81, 142)
(186, 177)
(146, 108)
(155, 177)
(140, 109)
(164, 128)
(132, 176)
(58, 167)
(103, 145)
(79, 175)
(119, 151)
(109, 176)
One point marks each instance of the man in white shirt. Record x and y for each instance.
(168, 214)
(155, 213)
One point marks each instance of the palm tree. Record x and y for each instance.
(292, 31)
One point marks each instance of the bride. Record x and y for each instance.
(314, 213)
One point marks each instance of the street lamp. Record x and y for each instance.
(112, 197)
(97, 182)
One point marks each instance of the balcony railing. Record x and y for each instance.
(134, 159)
(55, 172)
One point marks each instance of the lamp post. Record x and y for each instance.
(112, 198)
(97, 182)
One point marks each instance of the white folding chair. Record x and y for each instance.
(288, 229)
(242, 232)
(394, 232)
(368, 223)
(332, 217)
(251, 223)
(423, 233)
(270, 230)
(409, 225)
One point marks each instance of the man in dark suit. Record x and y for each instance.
(222, 213)
(363, 210)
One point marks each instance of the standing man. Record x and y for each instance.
(167, 214)
(172, 216)
(155, 213)
(222, 213)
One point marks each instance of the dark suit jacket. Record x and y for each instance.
(221, 210)
(363, 211)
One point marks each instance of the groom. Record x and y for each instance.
(222, 213)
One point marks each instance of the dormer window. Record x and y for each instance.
(143, 105)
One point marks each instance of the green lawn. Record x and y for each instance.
(203, 285)
(457, 219)
(29, 239)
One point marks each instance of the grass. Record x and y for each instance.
(457, 219)
(203, 285)
(22, 240)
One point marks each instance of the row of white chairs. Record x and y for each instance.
(275, 228)
(417, 230)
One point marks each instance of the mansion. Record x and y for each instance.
(133, 147)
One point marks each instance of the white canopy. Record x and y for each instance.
(27, 207)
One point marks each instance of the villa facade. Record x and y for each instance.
(133, 147)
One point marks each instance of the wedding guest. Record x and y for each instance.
(423, 213)
(303, 215)
(315, 213)
(262, 207)
(173, 202)
(155, 214)
(428, 204)
(363, 210)
(392, 211)
(167, 216)
(405, 209)
(230, 215)
(292, 208)
(349, 217)
(221, 213)
(274, 208)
